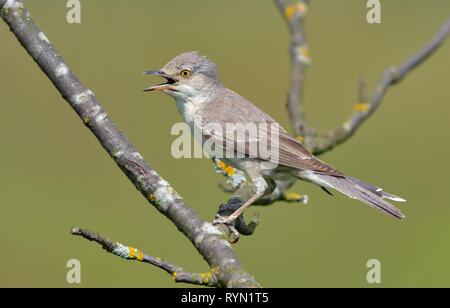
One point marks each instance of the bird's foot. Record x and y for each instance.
(229, 222)
(225, 220)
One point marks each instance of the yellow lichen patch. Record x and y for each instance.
(208, 274)
(230, 171)
(202, 276)
(304, 52)
(239, 281)
(19, 11)
(226, 168)
(292, 196)
(300, 138)
(206, 280)
(215, 269)
(159, 259)
(86, 120)
(152, 197)
(133, 252)
(361, 107)
(173, 191)
(221, 164)
(174, 275)
(292, 9)
(347, 126)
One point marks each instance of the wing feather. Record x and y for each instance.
(229, 108)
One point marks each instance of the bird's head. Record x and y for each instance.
(188, 76)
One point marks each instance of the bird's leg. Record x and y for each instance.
(260, 186)
(230, 220)
(240, 210)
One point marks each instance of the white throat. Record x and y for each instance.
(188, 109)
(189, 102)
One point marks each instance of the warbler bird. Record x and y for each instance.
(210, 108)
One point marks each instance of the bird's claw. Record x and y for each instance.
(224, 220)
(229, 222)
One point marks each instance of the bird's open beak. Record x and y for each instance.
(163, 86)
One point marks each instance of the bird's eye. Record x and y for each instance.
(185, 73)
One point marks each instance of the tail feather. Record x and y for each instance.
(376, 190)
(365, 192)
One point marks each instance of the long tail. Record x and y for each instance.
(365, 192)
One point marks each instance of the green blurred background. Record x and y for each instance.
(55, 175)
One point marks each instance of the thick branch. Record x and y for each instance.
(363, 110)
(210, 241)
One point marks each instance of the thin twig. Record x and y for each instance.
(363, 110)
(130, 253)
(294, 15)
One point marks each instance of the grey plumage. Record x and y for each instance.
(202, 99)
